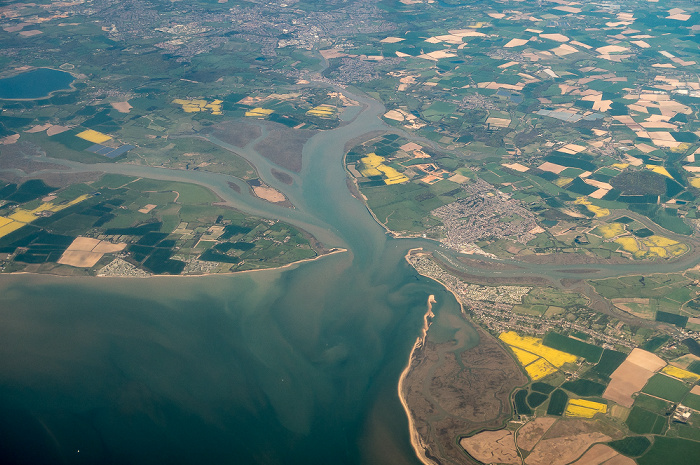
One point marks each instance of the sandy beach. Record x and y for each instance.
(416, 440)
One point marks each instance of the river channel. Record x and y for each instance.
(299, 365)
(289, 366)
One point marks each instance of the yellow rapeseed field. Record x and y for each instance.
(373, 165)
(620, 166)
(660, 170)
(658, 251)
(93, 136)
(599, 212)
(322, 111)
(695, 182)
(392, 176)
(628, 243)
(539, 369)
(677, 249)
(197, 105)
(525, 358)
(21, 217)
(8, 228)
(561, 182)
(534, 345)
(680, 373)
(584, 408)
(659, 241)
(259, 112)
(368, 165)
(608, 231)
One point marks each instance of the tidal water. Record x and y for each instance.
(34, 84)
(293, 366)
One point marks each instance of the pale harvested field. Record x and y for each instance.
(555, 37)
(695, 390)
(33, 32)
(85, 244)
(458, 178)
(625, 381)
(532, 432)
(269, 194)
(108, 247)
(492, 447)
(566, 441)
(394, 114)
(646, 360)
(147, 208)
(410, 146)
(38, 128)
(122, 107)
(596, 455)
(516, 167)
(333, 53)
(552, 167)
(631, 376)
(498, 122)
(516, 43)
(79, 258)
(56, 129)
(85, 252)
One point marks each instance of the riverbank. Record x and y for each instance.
(229, 273)
(416, 441)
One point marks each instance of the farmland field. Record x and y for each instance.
(670, 451)
(666, 388)
(573, 346)
(642, 421)
(557, 403)
(632, 446)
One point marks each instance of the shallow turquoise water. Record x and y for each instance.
(287, 366)
(34, 84)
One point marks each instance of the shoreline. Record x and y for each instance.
(156, 276)
(418, 447)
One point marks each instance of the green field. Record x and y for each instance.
(584, 388)
(632, 446)
(609, 361)
(539, 386)
(666, 387)
(671, 451)
(535, 399)
(573, 346)
(692, 401)
(521, 405)
(557, 403)
(641, 421)
(653, 404)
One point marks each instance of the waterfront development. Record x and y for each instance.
(409, 236)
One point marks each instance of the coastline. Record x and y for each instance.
(156, 276)
(416, 441)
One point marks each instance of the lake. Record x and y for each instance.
(35, 84)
